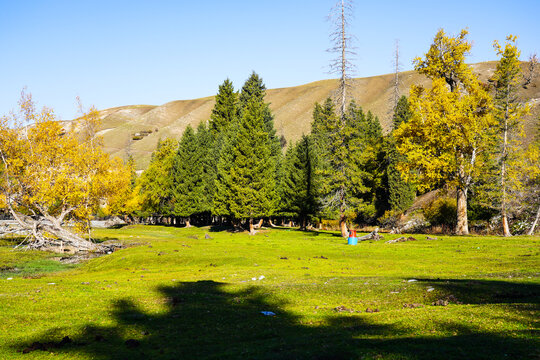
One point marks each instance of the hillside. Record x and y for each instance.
(138, 127)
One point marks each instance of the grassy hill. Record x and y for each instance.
(174, 293)
(140, 126)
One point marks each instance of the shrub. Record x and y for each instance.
(442, 212)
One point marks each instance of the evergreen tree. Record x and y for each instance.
(400, 193)
(300, 184)
(225, 111)
(253, 169)
(222, 130)
(255, 90)
(155, 181)
(187, 177)
(341, 142)
(402, 112)
(205, 144)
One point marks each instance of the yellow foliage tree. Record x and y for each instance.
(449, 127)
(51, 175)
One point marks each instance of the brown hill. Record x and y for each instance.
(137, 128)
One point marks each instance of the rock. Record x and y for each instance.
(369, 310)
(412, 306)
(342, 308)
(401, 239)
(440, 302)
(207, 237)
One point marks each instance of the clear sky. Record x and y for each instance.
(113, 53)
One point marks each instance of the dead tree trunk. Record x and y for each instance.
(531, 231)
(251, 227)
(462, 227)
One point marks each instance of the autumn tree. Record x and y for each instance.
(52, 175)
(450, 123)
(508, 110)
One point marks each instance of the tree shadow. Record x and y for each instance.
(205, 320)
(472, 291)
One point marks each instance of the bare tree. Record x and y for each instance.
(342, 65)
(530, 74)
(341, 40)
(396, 82)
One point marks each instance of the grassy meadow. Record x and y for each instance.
(176, 293)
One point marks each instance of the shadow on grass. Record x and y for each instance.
(487, 291)
(204, 321)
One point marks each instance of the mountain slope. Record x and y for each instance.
(137, 129)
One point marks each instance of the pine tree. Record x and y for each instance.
(341, 143)
(222, 129)
(205, 149)
(401, 193)
(402, 112)
(187, 177)
(155, 181)
(225, 111)
(255, 90)
(300, 183)
(253, 169)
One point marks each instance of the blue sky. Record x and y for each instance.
(113, 53)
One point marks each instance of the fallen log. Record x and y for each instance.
(374, 235)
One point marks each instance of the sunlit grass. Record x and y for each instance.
(179, 292)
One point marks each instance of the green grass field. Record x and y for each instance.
(174, 294)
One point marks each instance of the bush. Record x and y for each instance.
(442, 212)
(390, 219)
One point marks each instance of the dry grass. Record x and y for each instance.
(291, 106)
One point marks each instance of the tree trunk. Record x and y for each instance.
(462, 227)
(343, 226)
(259, 224)
(38, 229)
(506, 228)
(531, 231)
(251, 227)
(303, 223)
(504, 215)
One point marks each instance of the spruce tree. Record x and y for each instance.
(402, 112)
(225, 110)
(400, 193)
(187, 177)
(300, 184)
(252, 172)
(156, 182)
(205, 148)
(342, 145)
(255, 90)
(222, 129)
